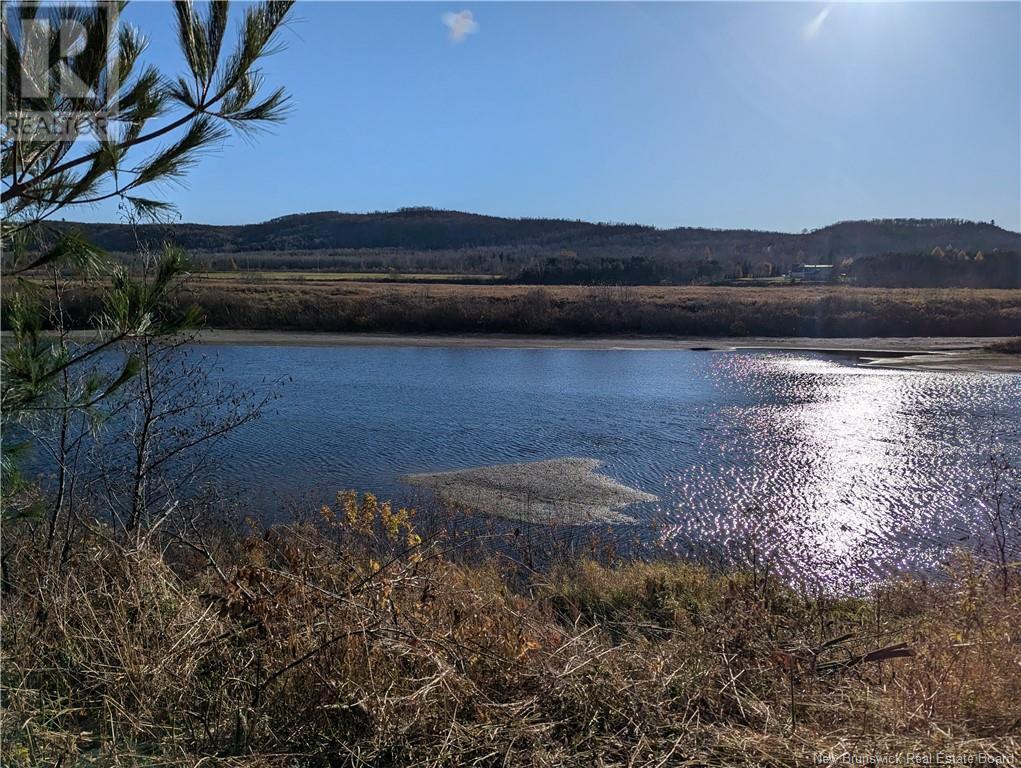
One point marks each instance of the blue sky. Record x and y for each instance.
(760, 115)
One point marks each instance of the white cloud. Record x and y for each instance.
(461, 25)
(811, 29)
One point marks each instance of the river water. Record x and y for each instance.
(806, 457)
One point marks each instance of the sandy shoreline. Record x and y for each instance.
(914, 353)
(924, 353)
(976, 360)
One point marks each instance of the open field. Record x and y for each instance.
(811, 311)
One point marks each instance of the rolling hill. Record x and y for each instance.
(560, 250)
(421, 229)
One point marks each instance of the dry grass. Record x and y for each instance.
(354, 643)
(814, 311)
(294, 303)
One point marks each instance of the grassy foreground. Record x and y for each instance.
(354, 642)
(815, 311)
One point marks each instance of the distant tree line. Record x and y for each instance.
(923, 269)
(569, 269)
(902, 222)
(939, 268)
(533, 265)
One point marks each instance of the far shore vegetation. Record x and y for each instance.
(921, 253)
(288, 303)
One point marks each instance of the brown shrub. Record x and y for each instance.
(353, 642)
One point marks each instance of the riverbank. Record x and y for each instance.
(359, 641)
(947, 353)
(961, 361)
(912, 353)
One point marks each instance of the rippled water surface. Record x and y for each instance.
(832, 463)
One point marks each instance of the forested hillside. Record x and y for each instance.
(431, 229)
(564, 251)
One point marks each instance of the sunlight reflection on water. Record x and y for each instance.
(856, 471)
